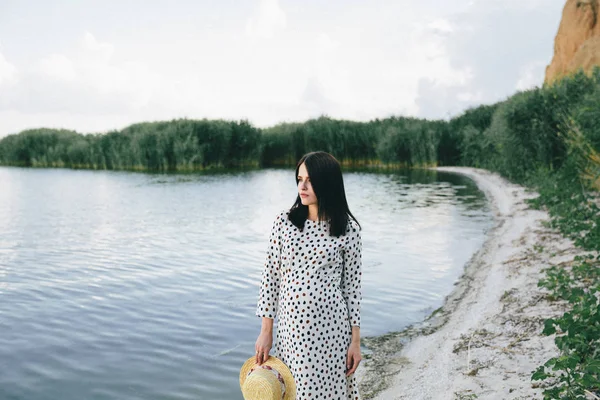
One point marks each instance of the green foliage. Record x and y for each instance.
(179, 145)
(463, 142)
(277, 145)
(408, 141)
(576, 371)
(479, 117)
(588, 116)
(522, 135)
(472, 147)
(188, 145)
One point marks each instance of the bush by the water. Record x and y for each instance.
(575, 211)
(179, 145)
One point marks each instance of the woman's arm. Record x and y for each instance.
(356, 334)
(354, 357)
(265, 341)
(351, 290)
(267, 325)
(268, 299)
(352, 274)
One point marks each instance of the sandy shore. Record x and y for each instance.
(486, 340)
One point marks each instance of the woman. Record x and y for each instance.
(312, 282)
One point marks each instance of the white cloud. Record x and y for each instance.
(314, 96)
(268, 19)
(348, 60)
(8, 72)
(59, 67)
(433, 56)
(496, 46)
(469, 97)
(441, 25)
(531, 75)
(94, 52)
(86, 82)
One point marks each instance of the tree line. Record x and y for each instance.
(528, 132)
(515, 137)
(178, 145)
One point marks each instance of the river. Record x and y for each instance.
(118, 285)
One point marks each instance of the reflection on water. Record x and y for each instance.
(120, 285)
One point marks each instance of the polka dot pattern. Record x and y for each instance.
(312, 282)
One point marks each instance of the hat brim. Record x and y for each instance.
(275, 363)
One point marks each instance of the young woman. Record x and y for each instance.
(312, 282)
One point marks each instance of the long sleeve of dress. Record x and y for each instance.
(268, 299)
(352, 273)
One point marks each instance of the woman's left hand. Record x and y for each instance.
(353, 358)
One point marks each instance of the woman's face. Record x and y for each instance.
(305, 189)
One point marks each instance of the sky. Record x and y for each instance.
(95, 66)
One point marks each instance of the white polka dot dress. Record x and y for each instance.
(312, 282)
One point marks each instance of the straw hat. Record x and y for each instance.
(270, 381)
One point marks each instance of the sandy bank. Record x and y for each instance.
(486, 340)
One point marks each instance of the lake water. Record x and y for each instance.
(117, 285)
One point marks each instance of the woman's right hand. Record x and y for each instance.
(263, 346)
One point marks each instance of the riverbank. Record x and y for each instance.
(486, 340)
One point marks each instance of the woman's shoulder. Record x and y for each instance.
(282, 216)
(352, 227)
(283, 213)
(352, 231)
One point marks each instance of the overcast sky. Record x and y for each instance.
(93, 66)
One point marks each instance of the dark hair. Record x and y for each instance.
(326, 177)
